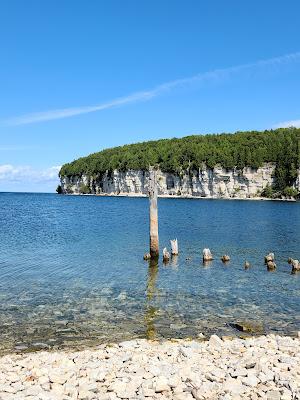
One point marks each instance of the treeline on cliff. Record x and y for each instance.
(239, 150)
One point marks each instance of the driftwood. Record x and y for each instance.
(207, 256)
(166, 255)
(174, 247)
(153, 214)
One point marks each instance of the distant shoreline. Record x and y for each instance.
(162, 196)
(169, 196)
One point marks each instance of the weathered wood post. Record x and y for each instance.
(174, 247)
(151, 311)
(153, 214)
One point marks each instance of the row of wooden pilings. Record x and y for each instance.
(207, 256)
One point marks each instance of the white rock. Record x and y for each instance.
(57, 377)
(239, 372)
(84, 394)
(141, 369)
(273, 395)
(147, 392)
(251, 381)
(174, 381)
(118, 387)
(161, 384)
(216, 342)
(233, 386)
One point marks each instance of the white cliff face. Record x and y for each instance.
(213, 183)
(297, 183)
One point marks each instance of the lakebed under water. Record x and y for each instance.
(72, 272)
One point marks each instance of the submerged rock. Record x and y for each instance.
(21, 347)
(247, 326)
(178, 326)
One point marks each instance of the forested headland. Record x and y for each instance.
(238, 150)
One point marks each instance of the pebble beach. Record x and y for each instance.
(265, 367)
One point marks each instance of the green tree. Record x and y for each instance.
(59, 189)
(84, 189)
(242, 149)
(268, 192)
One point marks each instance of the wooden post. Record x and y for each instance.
(151, 311)
(154, 243)
(174, 247)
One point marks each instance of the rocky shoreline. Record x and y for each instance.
(265, 367)
(188, 197)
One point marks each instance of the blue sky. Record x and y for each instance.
(80, 76)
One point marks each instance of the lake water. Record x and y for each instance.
(72, 271)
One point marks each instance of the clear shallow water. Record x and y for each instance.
(72, 270)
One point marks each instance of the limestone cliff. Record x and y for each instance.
(211, 183)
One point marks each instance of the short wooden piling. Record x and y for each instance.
(207, 256)
(153, 213)
(166, 255)
(174, 247)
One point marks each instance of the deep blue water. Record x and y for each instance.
(72, 270)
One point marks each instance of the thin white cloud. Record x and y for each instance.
(286, 124)
(26, 174)
(217, 75)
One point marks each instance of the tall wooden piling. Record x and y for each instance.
(153, 213)
(151, 312)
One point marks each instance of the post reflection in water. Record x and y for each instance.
(150, 310)
(174, 261)
(207, 264)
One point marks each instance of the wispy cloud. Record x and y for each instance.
(287, 124)
(26, 174)
(217, 75)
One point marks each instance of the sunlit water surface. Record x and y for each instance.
(72, 272)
